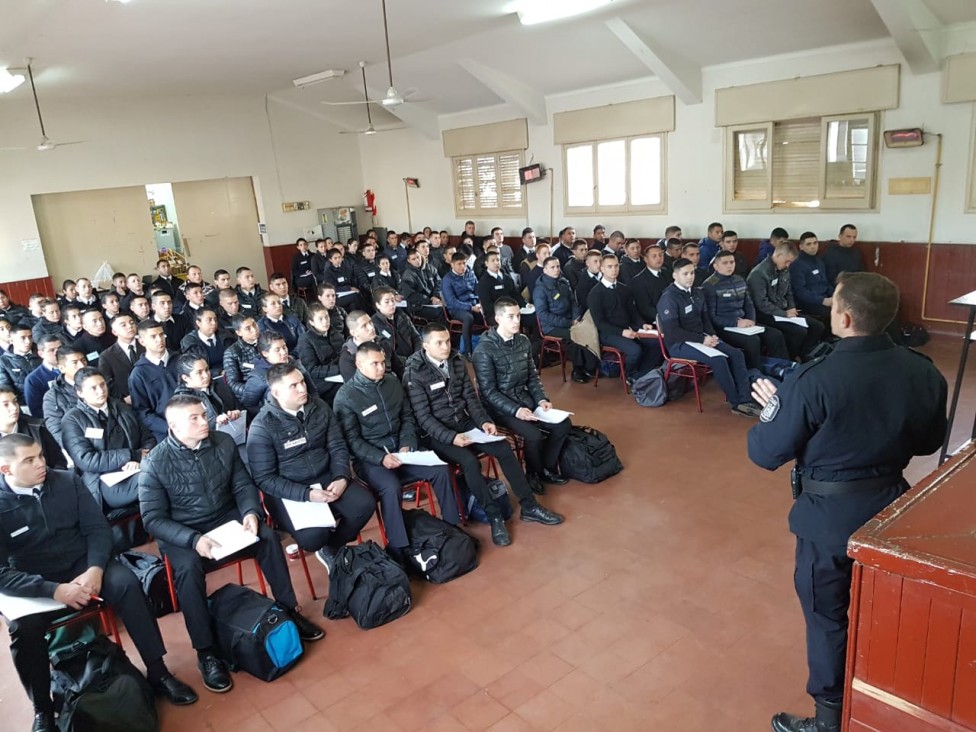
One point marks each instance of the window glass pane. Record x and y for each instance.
(645, 171)
(751, 163)
(611, 171)
(579, 175)
(508, 177)
(847, 162)
(487, 184)
(464, 179)
(796, 164)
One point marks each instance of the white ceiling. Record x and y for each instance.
(203, 47)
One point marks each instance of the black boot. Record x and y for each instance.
(44, 722)
(827, 720)
(499, 532)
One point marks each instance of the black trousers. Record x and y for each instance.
(642, 354)
(388, 486)
(799, 340)
(729, 370)
(123, 593)
(466, 317)
(352, 511)
(770, 341)
(189, 575)
(467, 459)
(543, 441)
(581, 358)
(822, 579)
(430, 313)
(121, 494)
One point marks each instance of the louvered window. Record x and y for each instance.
(488, 185)
(617, 176)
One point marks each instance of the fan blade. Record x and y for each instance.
(73, 142)
(342, 104)
(13, 148)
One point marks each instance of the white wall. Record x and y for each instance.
(140, 141)
(695, 159)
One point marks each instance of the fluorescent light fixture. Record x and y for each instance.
(319, 77)
(9, 82)
(531, 12)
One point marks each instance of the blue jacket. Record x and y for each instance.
(36, 385)
(708, 250)
(151, 386)
(554, 303)
(460, 291)
(727, 300)
(765, 250)
(682, 316)
(289, 327)
(808, 277)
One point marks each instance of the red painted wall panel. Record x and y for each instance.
(20, 291)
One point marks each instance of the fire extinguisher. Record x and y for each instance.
(370, 199)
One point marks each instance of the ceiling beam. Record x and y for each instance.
(916, 31)
(524, 98)
(683, 77)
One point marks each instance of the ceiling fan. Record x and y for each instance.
(46, 143)
(370, 129)
(393, 98)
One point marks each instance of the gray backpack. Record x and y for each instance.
(651, 391)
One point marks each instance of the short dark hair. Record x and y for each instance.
(547, 260)
(48, 338)
(681, 263)
(379, 292)
(459, 257)
(10, 444)
(671, 231)
(161, 260)
(715, 224)
(370, 347)
(181, 401)
(86, 373)
(192, 286)
(68, 350)
(268, 337)
(106, 295)
(807, 235)
(198, 315)
(723, 255)
(147, 324)
(496, 228)
(728, 234)
(316, 307)
(219, 272)
(66, 284)
(870, 298)
(779, 233)
(275, 276)
(323, 286)
(237, 272)
(279, 371)
(502, 303)
(238, 320)
(432, 328)
(688, 246)
(159, 294)
(527, 230)
(845, 227)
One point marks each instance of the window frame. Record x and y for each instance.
(478, 211)
(626, 208)
(868, 203)
(970, 202)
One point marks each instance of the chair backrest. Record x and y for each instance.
(660, 338)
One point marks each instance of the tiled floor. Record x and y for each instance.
(664, 603)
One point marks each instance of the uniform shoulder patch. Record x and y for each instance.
(771, 409)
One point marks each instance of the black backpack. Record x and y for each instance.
(366, 584)
(151, 572)
(588, 456)
(97, 689)
(438, 552)
(253, 632)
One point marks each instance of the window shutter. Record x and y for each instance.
(488, 184)
(796, 164)
(464, 177)
(510, 190)
(848, 161)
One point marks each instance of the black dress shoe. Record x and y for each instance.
(541, 515)
(409, 496)
(307, 630)
(174, 690)
(43, 722)
(580, 378)
(550, 477)
(536, 485)
(214, 673)
(499, 534)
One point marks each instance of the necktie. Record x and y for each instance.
(444, 371)
(132, 353)
(301, 417)
(212, 342)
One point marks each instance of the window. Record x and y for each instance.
(825, 163)
(971, 191)
(615, 175)
(488, 185)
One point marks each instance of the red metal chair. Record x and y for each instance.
(213, 567)
(456, 327)
(98, 610)
(613, 355)
(551, 344)
(491, 467)
(685, 368)
(423, 490)
(301, 552)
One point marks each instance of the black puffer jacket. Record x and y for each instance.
(239, 359)
(376, 417)
(34, 427)
(417, 287)
(121, 442)
(442, 410)
(507, 379)
(59, 399)
(286, 456)
(14, 370)
(319, 354)
(256, 386)
(182, 492)
(347, 358)
(401, 334)
(217, 400)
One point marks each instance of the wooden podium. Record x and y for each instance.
(911, 654)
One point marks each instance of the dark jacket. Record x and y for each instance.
(151, 385)
(507, 379)
(175, 329)
(36, 385)
(376, 417)
(460, 291)
(289, 327)
(683, 317)
(401, 334)
(34, 426)
(296, 307)
(443, 408)
(63, 524)
(213, 355)
(555, 304)
(250, 303)
(491, 289)
(14, 370)
(613, 310)
(287, 456)
(239, 360)
(629, 269)
(123, 439)
(319, 354)
(417, 287)
(708, 249)
(836, 259)
(301, 270)
(583, 289)
(646, 289)
(808, 278)
(347, 359)
(114, 363)
(256, 386)
(45, 327)
(727, 300)
(170, 286)
(217, 400)
(59, 399)
(770, 288)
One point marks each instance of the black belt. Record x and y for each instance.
(830, 488)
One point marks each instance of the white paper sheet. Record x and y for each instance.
(552, 416)
(478, 436)
(802, 322)
(707, 350)
(402, 304)
(235, 428)
(751, 330)
(648, 333)
(528, 309)
(232, 537)
(117, 477)
(13, 608)
(308, 515)
(419, 457)
(337, 379)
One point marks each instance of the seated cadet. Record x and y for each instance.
(94, 338)
(493, 284)
(446, 406)
(166, 281)
(460, 290)
(291, 306)
(175, 329)
(221, 283)
(378, 423)
(71, 328)
(217, 398)
(134, 288)
(766, 247)
(730, 243)
(631, 263)
(301, 267)
(386, 273)
(191, 302)
(19, 361)
(85, 297)
(191, 483)
(509, 386)
(239, 357)
(615, 244)
(11, 310)
(296, 452)
(769, 285)
(227, 307)
(318, 352)
(5, 334)
(557, 310)
(808, 279)
(671, 232)
(420, 287)
(152, 380)
(729, 305)
(531, 274)
(683, 320)
(140, 309)
(69, 293)
(393, 325)
(708, 247)
(117, 360)
(205, 341)
(72, 564)
(590, 276)
(426, 265)
(362, 330)
(672, 253)
(61, 395)
(648, 285)
(194, 276)
(346, 286)
(617, 321)
(272, 350)
(843, 256)
(13, 421)
(103, 435)
(524, 258)
(366, 267)
(692, 252)
(44, 374)
(111, 306)
(337, 314)
(577, 265)
(118, 285)
(563, 249)
(248, 292)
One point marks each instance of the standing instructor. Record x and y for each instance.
(852, 421)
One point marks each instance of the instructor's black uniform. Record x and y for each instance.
(852, 421)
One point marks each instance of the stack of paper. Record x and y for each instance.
(707, 350)
(419, 457)
(751, 330)
(337, 379)
(308, 515)
(648, 333)
(802, 322)
(232, 537)
(117, 477)
(551, 415)
(480, 437)
(14, 608)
